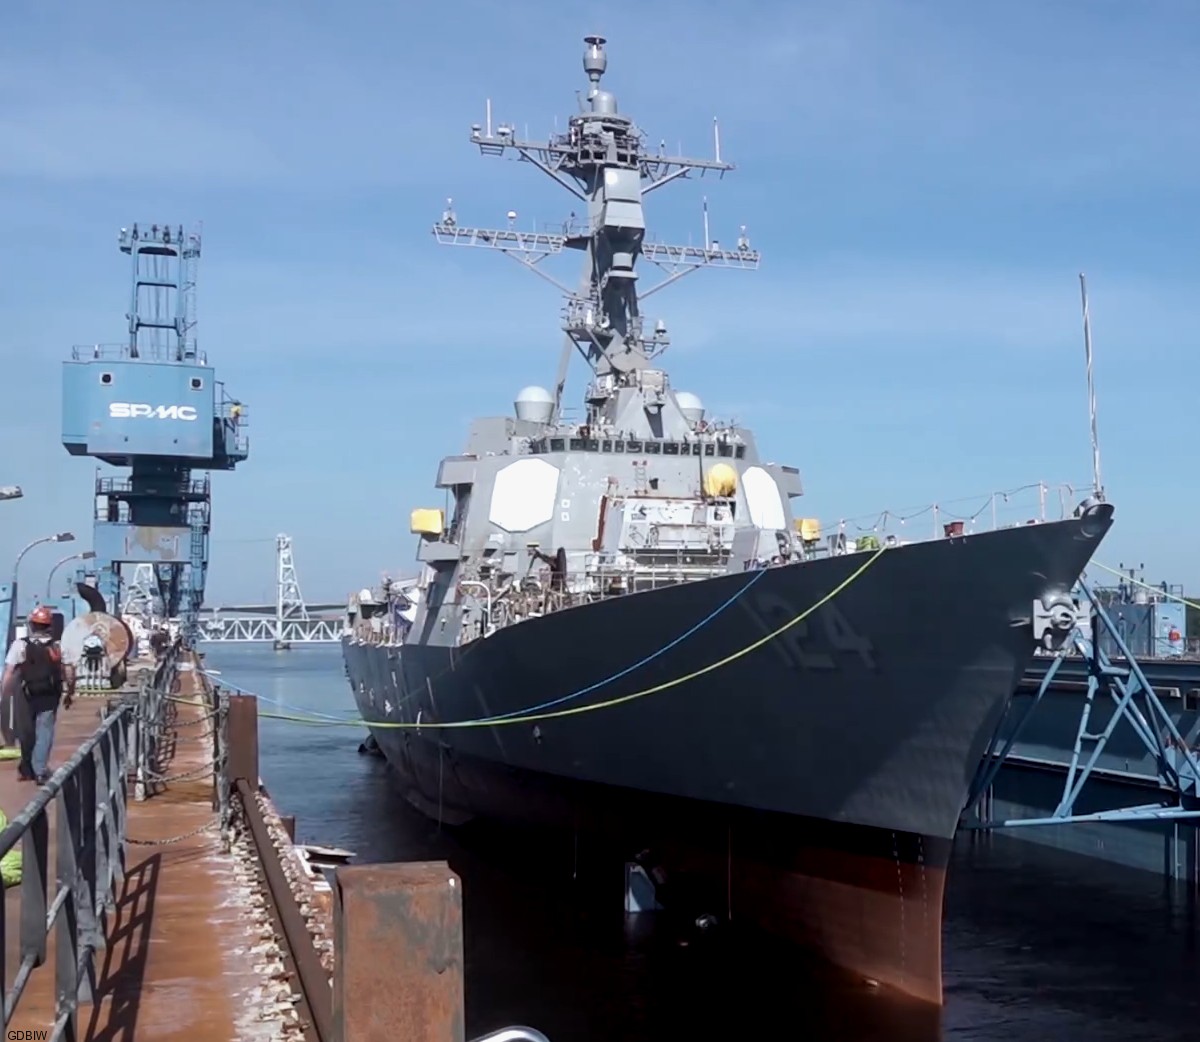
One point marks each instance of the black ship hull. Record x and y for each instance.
(819, 776)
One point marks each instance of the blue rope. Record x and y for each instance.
(220, 680)
(759, 573)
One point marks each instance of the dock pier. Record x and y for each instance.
(161, 896)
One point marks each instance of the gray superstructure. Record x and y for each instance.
(799, 715)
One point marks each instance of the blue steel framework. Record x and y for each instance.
(153, 405)
(1134, 700)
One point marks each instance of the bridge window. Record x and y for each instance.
(556, 444)
(671, 448)
(619, 445)
(741, 451)
(592, 445)
(106, 378)
(724, 449)
(709, 449)
(695, 448)
(576, 444)
(654, 447)
(606, 445)
(635, 446)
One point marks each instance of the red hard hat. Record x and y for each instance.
(41, 616)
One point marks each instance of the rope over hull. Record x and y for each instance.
(840, 752)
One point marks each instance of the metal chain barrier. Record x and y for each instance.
(158, 725)
(197, 774)
(206, 827)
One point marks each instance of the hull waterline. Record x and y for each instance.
(816, 780)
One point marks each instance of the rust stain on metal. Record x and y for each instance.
(163, 540)
(398, 933)
(314, 981)
(183, 959)
(242, 731)
(118, 641)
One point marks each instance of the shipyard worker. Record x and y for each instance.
(34, 675)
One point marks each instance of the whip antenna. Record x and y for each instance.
(1091, 389)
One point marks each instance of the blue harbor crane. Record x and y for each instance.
(153, 405)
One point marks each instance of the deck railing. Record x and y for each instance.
(87, 800)
(86, 797)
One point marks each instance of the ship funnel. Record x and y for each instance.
(691, 407)
(534, 404)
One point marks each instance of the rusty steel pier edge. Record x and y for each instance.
(397, 951)
(378, 955)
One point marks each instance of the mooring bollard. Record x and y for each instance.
(398, 970)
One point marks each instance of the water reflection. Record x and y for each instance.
(1038, 944)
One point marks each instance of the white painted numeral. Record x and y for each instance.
(776, 612)
(843, 637)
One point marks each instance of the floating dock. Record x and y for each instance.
(161, 896)
(1099, 753)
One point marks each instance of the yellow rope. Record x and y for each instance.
(609, 703)
(1146, 586)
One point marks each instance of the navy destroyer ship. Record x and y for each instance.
(621, 626)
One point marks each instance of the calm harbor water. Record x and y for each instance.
(1038, 944)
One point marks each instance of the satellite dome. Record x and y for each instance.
(534, 404)
(691, 407)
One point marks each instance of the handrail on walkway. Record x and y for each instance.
(419, 990)
(88, 797)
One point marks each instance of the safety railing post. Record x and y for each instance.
(86, 797)
(89, 894)
(113, 751)
(141, 740)
(66, 926)
(89, 808)
(4, 957)
(35, 864)
(105, 853)
(218, 780)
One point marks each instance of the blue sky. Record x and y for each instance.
(925, 181)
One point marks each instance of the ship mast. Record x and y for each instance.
(602, 161)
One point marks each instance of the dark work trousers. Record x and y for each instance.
(23, 725)
(7, 711)
(30, 710)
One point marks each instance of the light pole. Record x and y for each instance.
(58, 537)
(86, 555)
